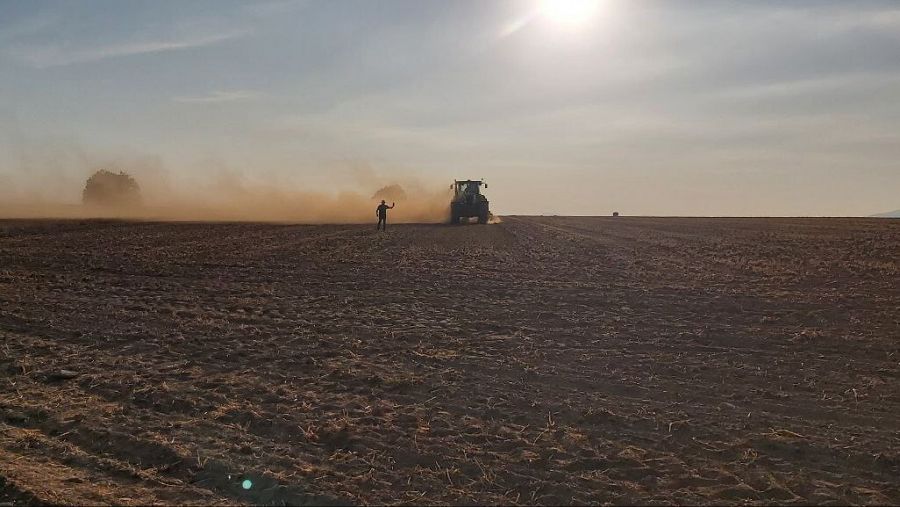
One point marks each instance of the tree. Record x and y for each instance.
(105, 188)
(390, 193)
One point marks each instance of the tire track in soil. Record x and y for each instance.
(66, 474)
(115, 453)
(152, 469)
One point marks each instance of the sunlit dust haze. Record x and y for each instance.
(301, 110)
(222, 195)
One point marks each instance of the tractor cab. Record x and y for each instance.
(469, 189)
(468, 201)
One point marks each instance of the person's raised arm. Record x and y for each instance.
(393, 204)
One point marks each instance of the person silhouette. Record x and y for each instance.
(381, 213)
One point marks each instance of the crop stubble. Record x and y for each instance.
(539, 360)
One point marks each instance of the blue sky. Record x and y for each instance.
(706, 107)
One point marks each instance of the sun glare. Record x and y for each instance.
(570, 12)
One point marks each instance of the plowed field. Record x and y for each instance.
(535, 361)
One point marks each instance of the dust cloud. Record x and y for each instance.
(223, 196)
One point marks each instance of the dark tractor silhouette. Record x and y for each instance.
(468, 201)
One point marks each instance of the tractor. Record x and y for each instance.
(468, 201)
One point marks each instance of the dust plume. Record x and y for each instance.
(230, 200)
(220, 196)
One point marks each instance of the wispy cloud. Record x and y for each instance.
(858, 82)
(35, 24)
(55, 56)
(853, 19)
(220, 96)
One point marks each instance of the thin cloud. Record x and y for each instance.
(56, 56)
(30, 26)
(811, 86)
(219, 97)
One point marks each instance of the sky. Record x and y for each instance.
(646, 107)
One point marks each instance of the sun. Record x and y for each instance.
(570, 12)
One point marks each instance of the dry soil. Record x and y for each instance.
(535, 361)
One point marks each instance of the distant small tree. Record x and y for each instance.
(390, 193)
(105, 188)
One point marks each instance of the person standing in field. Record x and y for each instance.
(381, 213)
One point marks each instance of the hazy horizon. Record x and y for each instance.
(646, 107)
